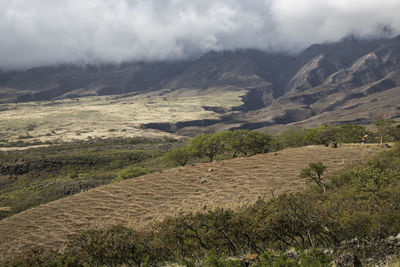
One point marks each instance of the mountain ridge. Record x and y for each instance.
(330, 79)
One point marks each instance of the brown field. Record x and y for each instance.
(108, 116)
(141, 201)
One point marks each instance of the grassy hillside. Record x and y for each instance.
(355, 222)
(137, 202)
(36, 176)
(48, 122)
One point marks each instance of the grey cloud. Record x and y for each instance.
(45, 32)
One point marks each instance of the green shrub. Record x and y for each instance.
(179, 155)
(345, 133)
(290, 138)
(238, 142)
(214, 260)
(111, 247)
(373, 180)
(314, 258)
(314, 173)
(385, 128)
(130, 172)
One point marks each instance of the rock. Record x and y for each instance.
(385, 146)
(353, 240)
(210, 170)
(391, 240)
(203, 180)
(328, 251)
(348, 260)
(293, 254)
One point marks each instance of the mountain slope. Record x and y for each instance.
(320, 84)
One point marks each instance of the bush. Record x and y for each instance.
(373, 180)
(290, 138)
(314, 258)
(238, 142)
(115, 246)
(179, 155)
(314, 173)
(345, 133)
(385, 128)
(130, 172)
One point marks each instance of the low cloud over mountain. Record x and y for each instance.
(46, 32)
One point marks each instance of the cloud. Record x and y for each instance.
(46, 32)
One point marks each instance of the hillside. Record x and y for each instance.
(350, 81)
(138, 202)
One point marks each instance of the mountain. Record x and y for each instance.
(47, 83)
(354, 81)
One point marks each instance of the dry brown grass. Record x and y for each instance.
(109, 116)
(138, 202)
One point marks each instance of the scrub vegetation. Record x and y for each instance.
(357, 205)
(356, 219)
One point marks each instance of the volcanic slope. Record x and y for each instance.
(141, 201)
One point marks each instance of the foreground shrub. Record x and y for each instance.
(115, 246)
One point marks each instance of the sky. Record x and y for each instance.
(47, 32)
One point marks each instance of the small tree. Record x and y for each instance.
(314, 173)
(180, 155)
(208, 145)
(384, 128)
(236, 142)
(321, 135)
(350, 133)
(290, 138)
(257, 142)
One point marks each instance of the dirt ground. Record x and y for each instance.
(143, 200)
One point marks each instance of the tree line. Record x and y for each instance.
(232, 144)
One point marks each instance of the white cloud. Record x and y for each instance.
(43, 32)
